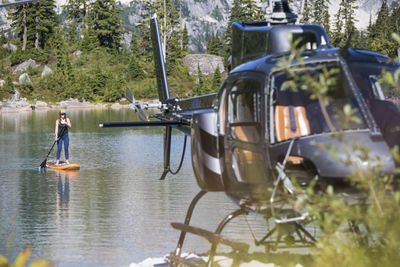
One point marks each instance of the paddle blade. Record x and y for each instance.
(43, 164)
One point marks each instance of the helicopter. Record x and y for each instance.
(256, 132)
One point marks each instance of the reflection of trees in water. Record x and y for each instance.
(62, 201)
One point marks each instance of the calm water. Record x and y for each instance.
(115, 210)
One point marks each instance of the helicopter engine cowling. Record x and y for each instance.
(205, 151)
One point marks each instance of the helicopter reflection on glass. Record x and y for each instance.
(266, 124)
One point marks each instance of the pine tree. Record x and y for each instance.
(77, 11)
(18, 16)
(34, 23)
(171, 32)
(63, 58)
(242, 10)
(106, 23)
(185, 40)
(380, 32)
(45, 22)
(344, 23)
(200, 82)
(214, 45)
(143, 31)
(217, 79)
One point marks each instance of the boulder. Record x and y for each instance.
(25, 65)
(10, 47)
(2, 82)
(24, 78)
(77, 53)
(46, 70)
(208, 63)
(16, 101)
(40, 104)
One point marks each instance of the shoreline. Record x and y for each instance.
(32, 107)
(21, 105)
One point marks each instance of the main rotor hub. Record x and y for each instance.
(278, 12)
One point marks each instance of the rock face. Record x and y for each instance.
(25, 65)
(207, 63)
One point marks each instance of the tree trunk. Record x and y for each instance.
(25, 35)
(37, 35)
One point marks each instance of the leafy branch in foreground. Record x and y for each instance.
(23, 258)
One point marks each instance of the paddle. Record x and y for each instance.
(43, 164)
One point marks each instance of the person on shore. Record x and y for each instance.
(62, 125)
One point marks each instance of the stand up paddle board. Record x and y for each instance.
(62, 165)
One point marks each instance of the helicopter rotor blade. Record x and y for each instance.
(129, 95)
(137, 105)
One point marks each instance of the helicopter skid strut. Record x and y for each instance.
(282, 240)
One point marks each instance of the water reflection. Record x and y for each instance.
(62, 203)
(114, 211)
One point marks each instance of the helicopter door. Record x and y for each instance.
(243, 141)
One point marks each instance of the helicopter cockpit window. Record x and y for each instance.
(255, 45)
(382, 96)
(307, 41)
(301, 108)
(244, 111)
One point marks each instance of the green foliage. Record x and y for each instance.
(7, 89)
(215, 46)
(360, 231)
(379, 33)
(216, 80)
(22, 259)
(105, 23)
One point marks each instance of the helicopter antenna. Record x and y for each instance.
(278, 12)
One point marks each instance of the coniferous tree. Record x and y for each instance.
(217, 79)
(214, 45)
(242, 10)
(135, 70)
(143, 36)
(45, 22)
(344, 23)
(185, 40)
(171, 32)
(19, 22)
(200, 82)
(380, 32)
(106, 24)
(77, 11)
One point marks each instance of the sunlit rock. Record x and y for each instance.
(25, 65)
(208, 63)
(24, 78)
(10, 47)
(46, 70)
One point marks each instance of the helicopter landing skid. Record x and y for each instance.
(285, 238)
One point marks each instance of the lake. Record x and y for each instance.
(115, 210)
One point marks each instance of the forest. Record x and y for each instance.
(85, 49)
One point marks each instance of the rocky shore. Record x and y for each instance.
(20, 104)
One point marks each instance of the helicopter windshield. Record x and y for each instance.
(380, 86)
(312, 100)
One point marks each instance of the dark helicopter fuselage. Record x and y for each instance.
(237, 144)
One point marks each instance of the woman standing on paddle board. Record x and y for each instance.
(62, 125)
